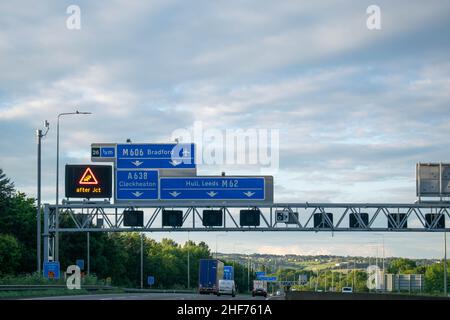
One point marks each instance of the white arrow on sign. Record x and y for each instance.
(249, 193)
(211, 194)
(174, 194)
(137, 163)
(175, 162)
(137, 194)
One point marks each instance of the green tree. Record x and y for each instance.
(434, 277)
(10, 254)
(402, 265)
(6, 187)
(18, 218)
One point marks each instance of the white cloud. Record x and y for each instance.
(356, 109)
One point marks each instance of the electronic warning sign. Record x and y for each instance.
(88, 178)
(88, 181)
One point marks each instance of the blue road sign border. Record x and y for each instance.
(190, 166)
(212, 199)
(116, 181)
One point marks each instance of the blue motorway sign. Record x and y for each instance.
(260, 274)
(51, 270)
(100, 153)
(150, 280)
(156, 156)
(107, 152)
(268, 278)
(228, 272)
(137, 185)
(212, 188)
(80, 263)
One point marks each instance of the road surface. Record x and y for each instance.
(154, 296)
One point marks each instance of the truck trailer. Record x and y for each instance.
(210, 272)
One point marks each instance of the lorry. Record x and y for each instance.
(210, 272)
(259, 288)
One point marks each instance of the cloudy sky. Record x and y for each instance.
(355, 108)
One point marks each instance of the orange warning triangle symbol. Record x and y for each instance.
(88, 177)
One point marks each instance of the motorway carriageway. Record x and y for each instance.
(155, 296)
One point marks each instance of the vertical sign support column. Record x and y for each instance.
(248, 273)
(142, 260)
(188, 265)
(46, 240)
(445, 263)
(88, 253)
(38, 213)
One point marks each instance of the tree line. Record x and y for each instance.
(328, 279)
(112, 255)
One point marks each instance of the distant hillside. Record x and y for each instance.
(272, 263)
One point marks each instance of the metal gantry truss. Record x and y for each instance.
(105, 217)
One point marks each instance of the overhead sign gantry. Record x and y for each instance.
(176, 199)
(166, 173)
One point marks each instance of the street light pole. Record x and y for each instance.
(248, 272)
(39, 135)
(56, 252)
(383, 264)
(445, 263)
(142, 260)
(188, 265)
(88, 239)
(332, 281)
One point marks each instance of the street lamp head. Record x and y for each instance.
(83, 112)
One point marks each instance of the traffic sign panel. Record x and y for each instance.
(136, 185)
(51, 270)
(260, 274)
(212, 188)
(268, 278)
(88, 181)
(155, 156)
(80, 263)
(107, 152)
(103, 152)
